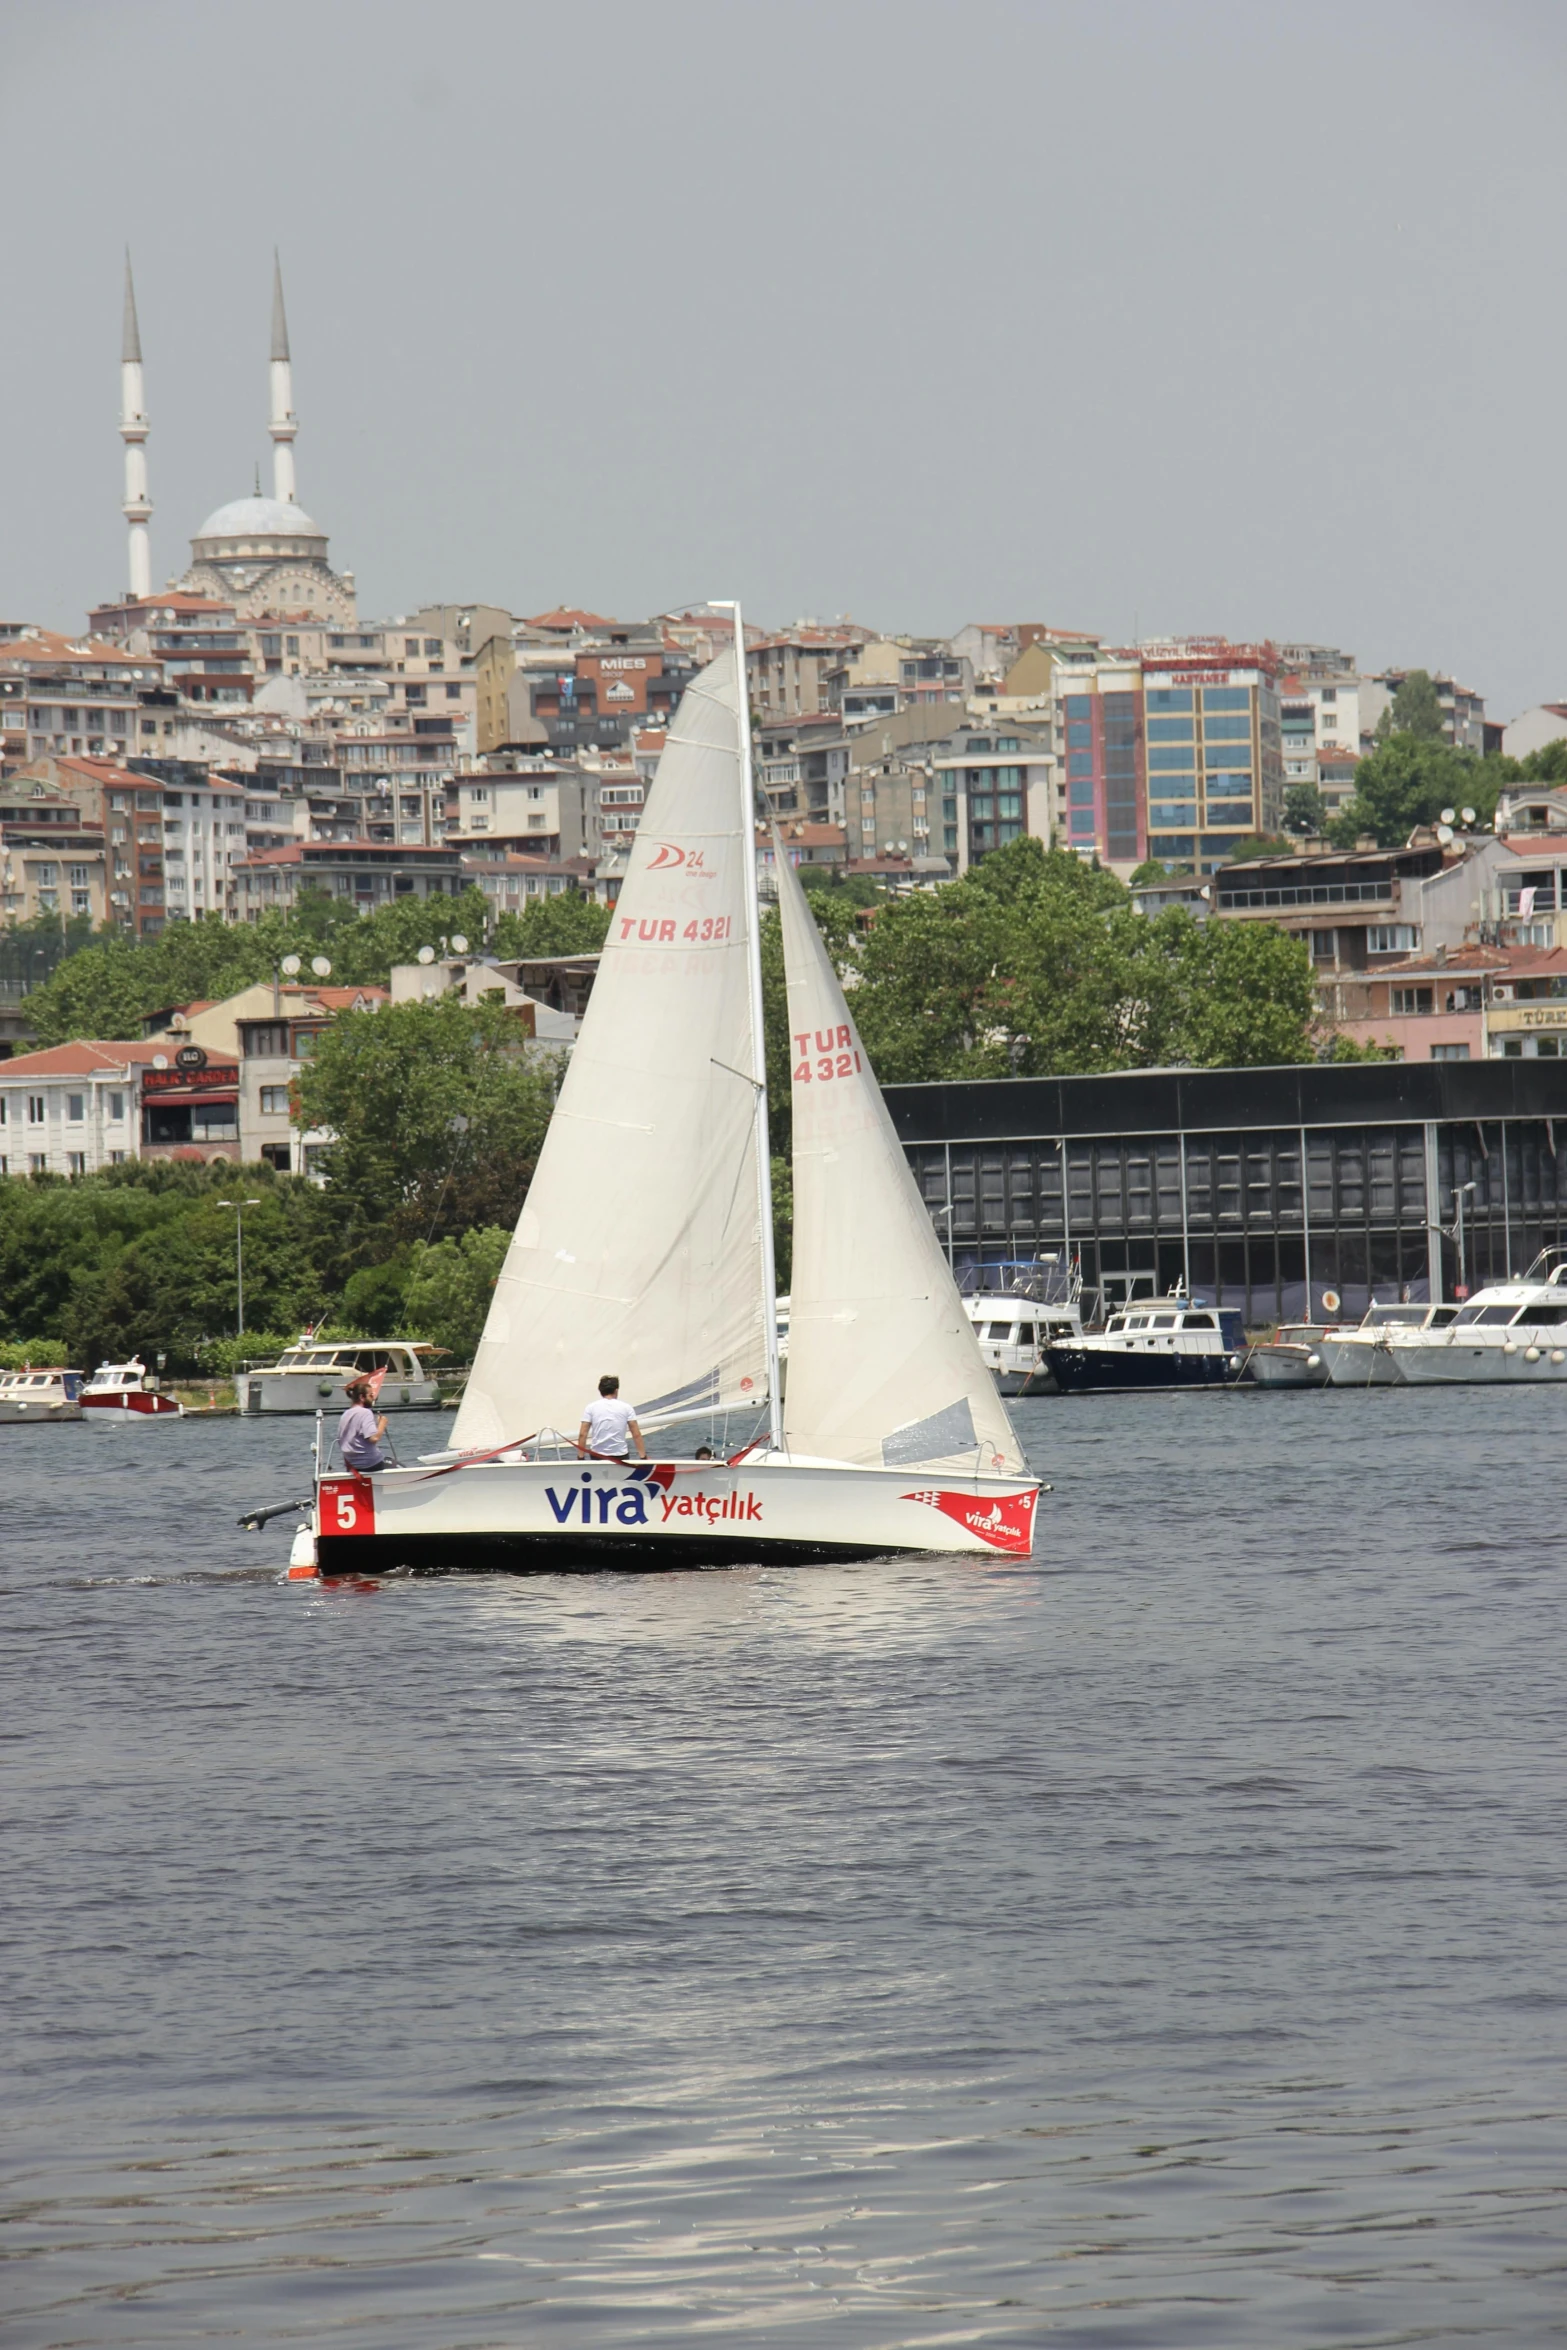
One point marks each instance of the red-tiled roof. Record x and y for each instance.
(42, 644)
(84, 1059)
(567, 616)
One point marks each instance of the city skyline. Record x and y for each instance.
(997, 383)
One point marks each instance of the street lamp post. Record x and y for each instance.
(239, 1206)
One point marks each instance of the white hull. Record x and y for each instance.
(304, 1391)
(554, 1516)
(1287, 1366)
(1469, 1363)
(1358, 1362)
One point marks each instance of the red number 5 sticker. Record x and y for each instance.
(347, 1505)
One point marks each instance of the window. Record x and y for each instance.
(1080, 763)
(75, 1108)
(432, 644)
(1226, 730)
(1171, 844)
(1162, 755)
(1081, 794)
(116, 1108)
(1392, 938)
(76, 1162)
(1169, 730)
(1407, 1001)
(1228, 811)
(35, 1109)
(1225, 697)
(274, 1101)
(479, 793)
(1449, 1052)
(1172, 812)
(38, 1162)
(1324, 945)
(1199, 1322)
(1165, 697)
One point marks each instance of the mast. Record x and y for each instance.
(764, 1161)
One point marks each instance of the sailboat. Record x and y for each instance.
(645, 1248)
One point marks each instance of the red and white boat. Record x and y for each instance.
(645, 1249)
(127, 1394)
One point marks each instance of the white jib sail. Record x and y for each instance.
(637, 1251)
(884, 1367)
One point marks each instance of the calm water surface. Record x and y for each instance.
(1158, 1944)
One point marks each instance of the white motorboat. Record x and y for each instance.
(1292, 1357)
(1362, 1356)
(312, 1376)
(39, 1398)
(1512, 1332)
(1176, 1341)
(645, 1249)
(1018, 1309)
(127, 1395)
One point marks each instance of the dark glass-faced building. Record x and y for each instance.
(1264, 1187)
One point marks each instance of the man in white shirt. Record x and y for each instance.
(607, 1424)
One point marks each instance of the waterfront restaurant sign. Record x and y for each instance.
(1505, 1016)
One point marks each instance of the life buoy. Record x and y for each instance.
(1331, 1301)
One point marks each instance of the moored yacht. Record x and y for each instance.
(1512, 1331)
(127, 1395)
(1018, 1309)
(312, 1377)
(40, 1396)
(1363, 1356)
(1168, 1342)
(1292, 1357)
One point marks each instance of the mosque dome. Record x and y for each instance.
(256, 525)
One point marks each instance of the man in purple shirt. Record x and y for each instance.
(360, 1430)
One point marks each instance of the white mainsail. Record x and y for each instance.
(638, 1250)
(884, 1367)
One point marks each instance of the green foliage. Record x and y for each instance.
(1151, 869)
(1417, 708)
(141, 1258)
(1261, 844)
(783, 1222)
(1340, 1047)
(1305, 809)
(566, 924)
(849, 889)
(1035, 963)
(110, 987)
(1546, 765)
(438, 1112)
(450, 1285)
(31, 951)
(1408, 780)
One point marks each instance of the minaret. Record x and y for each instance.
(284, 423)
(133, 432)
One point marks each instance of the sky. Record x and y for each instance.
(1223, 316)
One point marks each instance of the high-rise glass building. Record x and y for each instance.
(1173, 752)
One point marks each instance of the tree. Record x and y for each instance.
(1305, 809)
(566, 924)
(450, 1285)
(1417, 708)
(1408, 780)
(1261, 844)
(1151, 869)
(438, 1116)
(109, 988)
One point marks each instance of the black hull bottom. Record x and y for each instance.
(564, 1554)
(1097, 1374)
